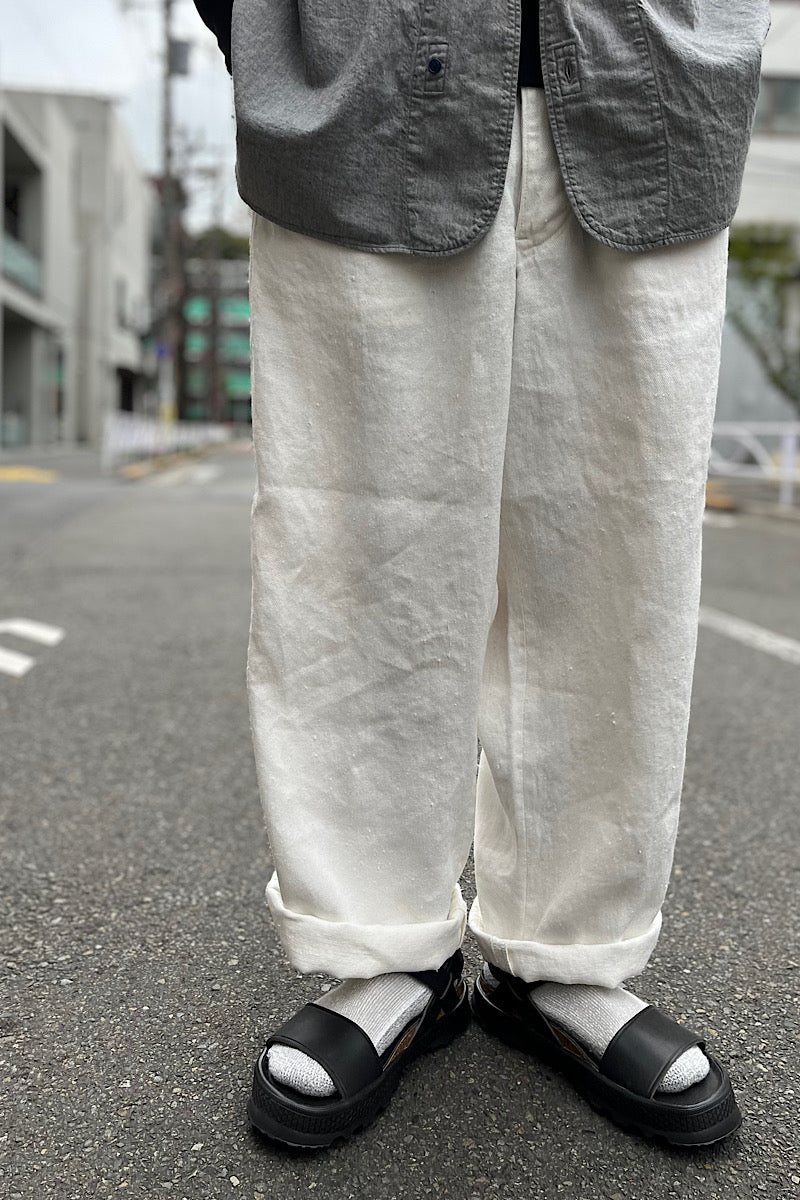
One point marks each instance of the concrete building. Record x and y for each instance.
(771, 185)
(75, 265)
(75, 280)
(770, 196)
(38, 350)
(217, 341)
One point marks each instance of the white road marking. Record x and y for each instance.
(34, 631)
(16, 664)
(755, 636)
(205, 473)
(188, 473)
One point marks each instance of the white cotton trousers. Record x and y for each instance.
(478, 512)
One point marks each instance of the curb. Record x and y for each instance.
(162, 462)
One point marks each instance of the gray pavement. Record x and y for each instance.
(68, 461)
(140, 970)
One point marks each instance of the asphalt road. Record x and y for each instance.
(140, 970)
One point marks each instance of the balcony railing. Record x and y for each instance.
(21, 265)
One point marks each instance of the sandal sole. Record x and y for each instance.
(681, 1126)
(315, 1126)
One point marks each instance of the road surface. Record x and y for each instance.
(140, 970)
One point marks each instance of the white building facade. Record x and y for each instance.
(770, 196)
(74, 269)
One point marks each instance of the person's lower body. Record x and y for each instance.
(478, 514)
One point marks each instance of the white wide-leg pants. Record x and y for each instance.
(478, 512)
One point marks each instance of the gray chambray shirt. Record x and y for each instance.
(385, 125)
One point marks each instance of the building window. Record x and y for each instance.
(234, 345)
(197, 310)
(196, 345)
(234, 310)
(11, 207)
(778, 108)
(237, 384)
(196, 383)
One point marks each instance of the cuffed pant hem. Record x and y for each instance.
(606, 964)
(347, 950)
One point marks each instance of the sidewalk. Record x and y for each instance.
(760, 497)
(67, 462)
(45, 464)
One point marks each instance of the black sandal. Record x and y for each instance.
(622, 1084)
(365, 1081)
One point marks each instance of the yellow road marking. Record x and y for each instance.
(28, 474)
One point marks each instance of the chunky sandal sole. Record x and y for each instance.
(702, 1125)
(311, 1125)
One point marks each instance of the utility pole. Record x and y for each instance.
(214, 292)
(172, 284)
(172, 258)
(214, 174)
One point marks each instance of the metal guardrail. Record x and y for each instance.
(760, 450)
(767, 450)
(131, 436)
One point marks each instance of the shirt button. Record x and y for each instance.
(435, 65)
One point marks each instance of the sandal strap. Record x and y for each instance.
(643, 1050)
(440, 980)
(338, 1044)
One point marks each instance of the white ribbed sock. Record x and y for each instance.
(593, 1014)
(382, 1006)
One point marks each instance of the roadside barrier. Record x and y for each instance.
(131, 436)
(758, 450)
